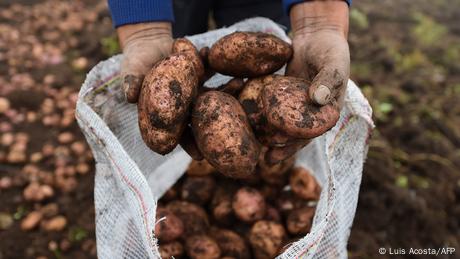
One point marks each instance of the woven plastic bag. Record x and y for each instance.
(130, 178)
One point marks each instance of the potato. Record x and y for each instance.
(194, 218)
(164, 101)
(198, 189)
(249, 54)
(171, 250)
(251, 100)
(223, 134)
(202, 247)
(266, 239)
(200, 168)
(272, 214)
(299, 221)
(230, 243)
(168, 226)
(183, 45)
(188, 143)
(249, 204)
(274, 174)
(221, 205)
(276, 155)
(303, 184)
(208, 71)
(288, 108)
(233, 86)
(287, 201)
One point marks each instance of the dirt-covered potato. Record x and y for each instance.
(272, 214)
(208, 71)
(171, 250)
(200, 168)
(194, 218)
(266, 239)
(287, 201)
(163, 106)
(188, 143)
(249, 54)
(304, 185)
(198, 189)
(288, 108)
(252, 102)
(168, 226)
(274, 174)
(250, 99)
(221, 204)
(223, 134)
(202, 247)
(299, 221)
(230, 243)
(233, 86)
(249, 204)
(277, 154)
(182, 45)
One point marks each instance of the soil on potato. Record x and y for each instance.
(405, 58)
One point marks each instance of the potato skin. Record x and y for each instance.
(172, 249)
(249, 54)
(183, 45)
(304, 185)
(233, 86)
(164, 101)
(188, 143)
(223, 134)
(202, 247)
(266, 239)
(200, 168)
(251, 100)
(249, 204)
(230, 243)
(198, 189)
(194, 218)
(288, 108)
(274, 174)
(170, 228)
(299, 221)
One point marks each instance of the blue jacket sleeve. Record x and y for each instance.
(138, 11)
(287, 4)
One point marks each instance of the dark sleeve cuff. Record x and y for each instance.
(138, 11)
(287, 4)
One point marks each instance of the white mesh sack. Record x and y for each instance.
(130, 178)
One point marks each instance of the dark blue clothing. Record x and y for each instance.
(137, 11)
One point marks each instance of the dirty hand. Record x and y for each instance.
(321, 55)
(143, 45)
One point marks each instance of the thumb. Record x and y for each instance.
(131, 85)
(328, 84)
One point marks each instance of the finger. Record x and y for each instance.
(276, 155)
(131, 87)
(332, 77)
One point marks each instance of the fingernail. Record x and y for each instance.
(322, 95)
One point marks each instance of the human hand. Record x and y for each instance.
(321, 55)
(143, 45)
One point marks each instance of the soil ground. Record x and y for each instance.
(405, 58)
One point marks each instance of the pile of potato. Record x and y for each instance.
(230, 125)
(248, 130)
(208, 215)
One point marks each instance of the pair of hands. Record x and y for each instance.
(321, 54)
